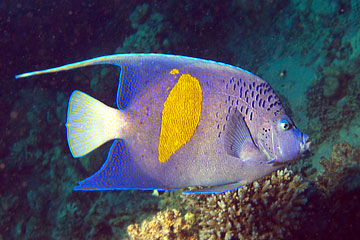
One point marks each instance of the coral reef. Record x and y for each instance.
(333, 210)
(148, 28)
(266, 209)
(165, 225)
(172, 200)
(332, 100)
(340, 170)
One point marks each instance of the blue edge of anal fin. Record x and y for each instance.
(119, 172)
(110, 176)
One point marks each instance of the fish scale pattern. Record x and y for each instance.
(253, 98)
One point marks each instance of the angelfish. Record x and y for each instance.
(181, 122)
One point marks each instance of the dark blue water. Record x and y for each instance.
(309, 51)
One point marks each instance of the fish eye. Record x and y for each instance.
(284, 125)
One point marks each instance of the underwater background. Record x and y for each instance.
(309, 52)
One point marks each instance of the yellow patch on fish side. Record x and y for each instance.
(180, 116)
(174, 71)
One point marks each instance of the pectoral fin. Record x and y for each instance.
(237, 134)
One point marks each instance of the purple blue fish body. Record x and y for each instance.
(181, 122)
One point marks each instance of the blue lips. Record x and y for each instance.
(305, 143)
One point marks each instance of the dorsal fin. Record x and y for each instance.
(128, 81)
(134, 69)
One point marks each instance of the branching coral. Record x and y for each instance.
(172, 200)
(340, 169)
(165, 225)
(266, 209)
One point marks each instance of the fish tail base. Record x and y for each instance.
(90, 123)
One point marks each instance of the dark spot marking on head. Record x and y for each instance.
(238, 83)
(253, 84)
(251, 116)
(229, 109)
(260, 102)
(257, 97)
(240, 92)
(241, 109)
(218, 126)
(219, 134)
(224, 127)
(234, 87)
(260, 91)
(252, 94)
(246, 92)
(244, 83)
(247, 99)
(237, 102)
(246, 111)
(257, 88)
(263, 104)
(269, 98)
(229, 98)
(252, 104)
(250, 87)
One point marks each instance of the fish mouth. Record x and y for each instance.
(304, 146)
(305, 143)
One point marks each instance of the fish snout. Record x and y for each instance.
(305, 143)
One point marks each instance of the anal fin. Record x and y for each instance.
(119, 172)
(113, 175)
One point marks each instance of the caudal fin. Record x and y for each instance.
(90, 123)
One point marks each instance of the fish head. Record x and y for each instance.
(281, 141)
